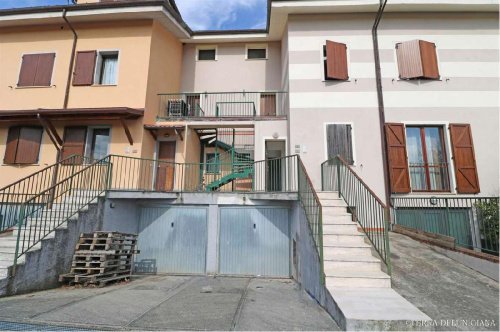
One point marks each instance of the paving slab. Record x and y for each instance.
(453, 295)
(117, 308)
(207, 304)
(281, 305)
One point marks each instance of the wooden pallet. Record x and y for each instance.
(101, 257)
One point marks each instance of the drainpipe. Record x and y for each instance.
(71, 61)
(380, 98)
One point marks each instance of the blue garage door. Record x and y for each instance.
(172, 240)
(254, 241)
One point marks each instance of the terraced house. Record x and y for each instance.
(289, 151)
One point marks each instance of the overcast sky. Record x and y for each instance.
(198, 14)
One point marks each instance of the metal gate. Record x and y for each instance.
(254, 241)
(172, 240)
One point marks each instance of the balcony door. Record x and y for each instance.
(165, 171)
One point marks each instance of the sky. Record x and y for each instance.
(198, 14)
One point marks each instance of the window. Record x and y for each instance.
(98, 143)
(93, 67)
(427, 160)
(335, 61)
(256, 52)
(339, 142)
(417, 59)
(36, 70)
(212, 164)
(23, 145)
(106, 68)
(93, 142)
(207, 54)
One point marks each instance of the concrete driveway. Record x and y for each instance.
(453, 295)
(170, 303)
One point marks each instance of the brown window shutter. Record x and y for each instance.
(268, 104)
(336, 61)
(429, 60)
(11, 146)
(84, 68)
(28, 70)
(396, 154)
(464, 159)
(44, 69)
(74, 143)
(28, 147)
(409, 63)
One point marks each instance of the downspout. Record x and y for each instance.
(380, 98)
(71, 61)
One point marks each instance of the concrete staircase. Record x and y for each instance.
(354, 276)
(42, 225)
(348, 259)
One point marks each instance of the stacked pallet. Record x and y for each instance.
(101, 257)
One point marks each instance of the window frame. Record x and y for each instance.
(218, 164)
(40, 145)
(205, 48)
(98, 66)
(256, 47)
(353, 140)
(446, 146)
(51, 84)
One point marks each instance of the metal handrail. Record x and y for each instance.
(12, 195)
(314, 212)
(366, 207)
(33, 225)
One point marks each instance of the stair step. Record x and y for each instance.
(328, 195)
(334, 266)
(334, 210)
(360, 280)
(332, 252)
(338, 202)
(334, 219)
(343, 239)
(353, 258)
(341, 229)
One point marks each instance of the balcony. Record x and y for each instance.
(222, 105)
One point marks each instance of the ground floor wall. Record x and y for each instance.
(118, 144)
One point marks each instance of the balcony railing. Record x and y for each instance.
(222, 105)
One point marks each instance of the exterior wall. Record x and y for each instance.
(467, 47)
(314, 102)
(468, 54)
(231, 72)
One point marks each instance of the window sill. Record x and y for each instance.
(103, 85)
(206, 60)
(35, 87)
(257, 59)
(419, 80)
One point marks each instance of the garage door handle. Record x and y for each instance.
(254, 226)
(172, 225)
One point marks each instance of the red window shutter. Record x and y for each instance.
(28, 147)
(464, 159)
(84, 68)
(267, 104)
(336, 61)
(74, 143)
(429, 60)
(28, 70)
(44, 69)
(11, 146)
(396, 154)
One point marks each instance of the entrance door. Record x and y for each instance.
(274, 165)
(165, 172)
